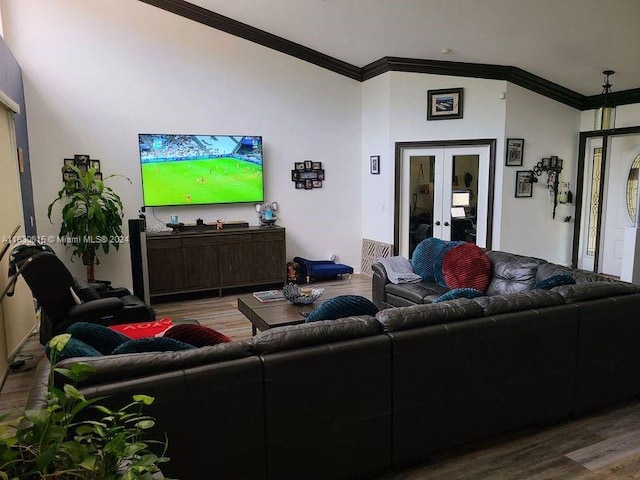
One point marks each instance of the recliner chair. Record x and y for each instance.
(65, 300)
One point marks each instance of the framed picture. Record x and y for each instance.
(68, 177)
(524, 187)
(374, 164)
(300, 185)
(316, 165)
(308, 164)
(95, 164)
(97, 176)
(308, 185)
(321, 174)
(69, 162)
(316, 183)
(294, 175)
(444, 104)
(515, 152)
(81, 159)
(299, 165)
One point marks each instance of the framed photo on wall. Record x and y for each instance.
(515, 152)
(444, 104)
(524, 187)
(375, 164)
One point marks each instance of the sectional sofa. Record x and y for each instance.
(360, 396)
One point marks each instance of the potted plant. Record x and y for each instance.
(91, 216)
(54, 443)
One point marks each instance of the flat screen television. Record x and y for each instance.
(200, 169)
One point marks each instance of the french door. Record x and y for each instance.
(443, 193)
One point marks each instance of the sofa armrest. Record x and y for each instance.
(379, 280)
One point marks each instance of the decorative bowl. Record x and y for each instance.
(302, 295)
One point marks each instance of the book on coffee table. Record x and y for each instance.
(269, 295)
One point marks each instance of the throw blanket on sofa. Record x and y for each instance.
(399, 270)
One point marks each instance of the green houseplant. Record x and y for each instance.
(54, 443)
(91, 216)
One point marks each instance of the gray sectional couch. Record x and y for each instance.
(359, 396)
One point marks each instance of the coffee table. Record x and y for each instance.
(266, 315)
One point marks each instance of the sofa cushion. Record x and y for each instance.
(595, 290)
(512, 273)
(416, 316)
(547, 270)
(458, 293)
(109, 368)
(196, 335)
(555, 281)
(518, 301)
(315, 333)
(342, 306)
(466, 266)
(420, 292)
(73, 348)
(102, 338)
(154, 344)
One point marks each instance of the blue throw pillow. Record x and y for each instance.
(74, 348)
(153, 344)
(555, 281)
(438, 270)
(459, 293)
(343, 306)
(424, 257)
(98, 336)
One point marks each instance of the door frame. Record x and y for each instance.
(400, 147)
(580, 188)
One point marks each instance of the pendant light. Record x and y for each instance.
(605, 117)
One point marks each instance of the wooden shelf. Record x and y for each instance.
(210, 259)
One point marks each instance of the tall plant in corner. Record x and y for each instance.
(91, 217)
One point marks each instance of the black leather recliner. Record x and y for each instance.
(65, 300)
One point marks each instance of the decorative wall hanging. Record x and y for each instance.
(375, 164)
(82, 163)
(553, 167)
(307, 175)
(444, 104)
(515, 152)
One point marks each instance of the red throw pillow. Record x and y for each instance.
(467, 266)
(196, 335)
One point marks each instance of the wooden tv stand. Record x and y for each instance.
(210, 259)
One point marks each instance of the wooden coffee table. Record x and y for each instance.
(266, 315)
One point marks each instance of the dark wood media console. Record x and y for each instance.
(205, 259)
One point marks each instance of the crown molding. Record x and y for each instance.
(510, 74)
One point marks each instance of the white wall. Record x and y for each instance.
(98, 73)
(548, 128)
(483, 117)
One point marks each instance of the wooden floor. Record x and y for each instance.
(604, 445)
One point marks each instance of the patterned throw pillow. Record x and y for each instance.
(74, 348)
(555, 281)
(459, 293)
(438, 267)
(196, 335)
(155, 344)
(343, 306)
(466, 266)
(102, 338)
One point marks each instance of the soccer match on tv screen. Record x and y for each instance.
(200, 169)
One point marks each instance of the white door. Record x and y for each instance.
(622, 151)
(444, 194)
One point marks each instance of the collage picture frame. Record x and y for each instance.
(307, 175)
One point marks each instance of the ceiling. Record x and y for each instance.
(568, 42)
